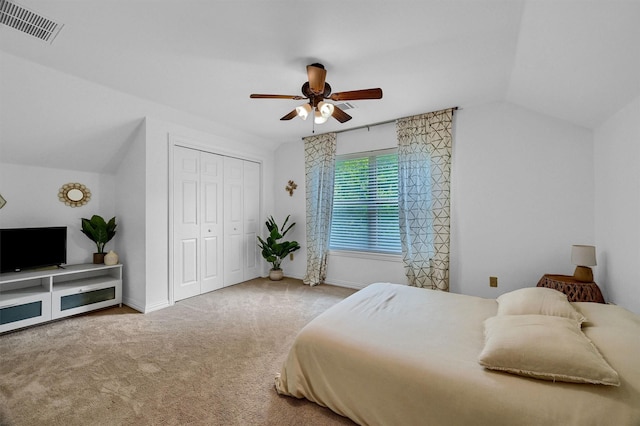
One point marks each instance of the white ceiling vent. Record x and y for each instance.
(27, 21)
(345, 106)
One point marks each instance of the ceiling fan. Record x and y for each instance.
(316, 90)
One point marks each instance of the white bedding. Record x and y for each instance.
(397, 355)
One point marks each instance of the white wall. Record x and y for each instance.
(617, 206)
(290, 166)
(522, 194)
(32, 201)
(131, 207)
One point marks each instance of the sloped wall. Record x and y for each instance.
(617, 206)
(32, 201)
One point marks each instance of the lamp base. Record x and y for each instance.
(583, 274)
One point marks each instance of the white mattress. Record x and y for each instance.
(397, 355)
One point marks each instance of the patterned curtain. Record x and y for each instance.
(320, 160)
(424, 165)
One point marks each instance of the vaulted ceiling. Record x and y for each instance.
(578, 61)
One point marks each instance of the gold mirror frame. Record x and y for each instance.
(74, 194)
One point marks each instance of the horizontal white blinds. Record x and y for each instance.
(365, 204)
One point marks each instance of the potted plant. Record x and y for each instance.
(100, 232)
(275, 251)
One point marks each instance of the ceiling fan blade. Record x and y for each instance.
(316, 75)
(260, 96)
(356, 95)
(290, 115)
(340, 115)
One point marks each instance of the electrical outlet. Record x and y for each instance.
(291, 256)
(493, 281)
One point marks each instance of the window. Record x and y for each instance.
(365, 203)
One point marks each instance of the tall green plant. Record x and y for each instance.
(274, 250)
(99, 231)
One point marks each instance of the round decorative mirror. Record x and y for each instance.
(74, 194)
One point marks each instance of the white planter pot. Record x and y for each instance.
(276, 274)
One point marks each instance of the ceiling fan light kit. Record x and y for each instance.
(319, 118)
(303, 111)
(316, 90)
(326, 109)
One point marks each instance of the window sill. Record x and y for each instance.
(367, 255)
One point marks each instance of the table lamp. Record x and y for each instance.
(583, 257)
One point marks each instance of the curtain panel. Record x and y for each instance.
(320, 158)
(424, 168)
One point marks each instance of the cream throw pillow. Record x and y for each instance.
(544, 347)
(537, 301)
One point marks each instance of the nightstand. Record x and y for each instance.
(576, 291)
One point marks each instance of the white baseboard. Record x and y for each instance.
(132, 304)
(142, 308)
(347, 284)
(157, 306)
(338, 283)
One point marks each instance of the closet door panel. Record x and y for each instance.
(211, 274)
(189, 202)
(234, 263)
(186, 222)
(251, 184)
(211, 231)
(233, 221)
(189, 262)
(210, 203)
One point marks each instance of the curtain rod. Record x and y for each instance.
(366, 126)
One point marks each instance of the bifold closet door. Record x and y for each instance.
(241, 220)
(197, 222)
(211, 231)
(252, 221)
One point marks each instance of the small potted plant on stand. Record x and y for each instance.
(100, 232)
(274, 250)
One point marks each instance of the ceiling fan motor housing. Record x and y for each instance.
(316, 90)
(314, 98)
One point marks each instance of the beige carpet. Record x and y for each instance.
(208, 360)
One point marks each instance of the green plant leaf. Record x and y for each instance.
(274, 250)
(99, 231)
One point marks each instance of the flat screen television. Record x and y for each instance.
(29, 248)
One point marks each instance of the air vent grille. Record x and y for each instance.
(27, 21)
(345, 106)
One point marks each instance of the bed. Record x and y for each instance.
(397, 355)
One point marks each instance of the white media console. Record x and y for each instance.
(32, 297)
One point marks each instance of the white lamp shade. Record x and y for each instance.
(319, 118)
(583, 255)
(326, 109)
(303, 111)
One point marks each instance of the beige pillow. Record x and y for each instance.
(544, 347)
(537, 301)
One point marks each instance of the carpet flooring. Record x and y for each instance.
(207, 360)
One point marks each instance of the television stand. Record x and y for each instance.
(33, 297)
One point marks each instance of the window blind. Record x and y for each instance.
(365, 203)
